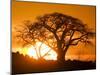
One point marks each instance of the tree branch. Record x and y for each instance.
(46, 53)
(79, 37)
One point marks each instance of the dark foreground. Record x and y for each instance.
(24, 64)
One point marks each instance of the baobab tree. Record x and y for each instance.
(58, 31)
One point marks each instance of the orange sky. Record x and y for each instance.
(30, 10)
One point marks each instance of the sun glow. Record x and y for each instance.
(42, 50)
(31, 52)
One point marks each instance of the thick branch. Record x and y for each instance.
(51, 30)
(68, 43)
(63, 34)
(78, 38)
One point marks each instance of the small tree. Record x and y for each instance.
(58, 31)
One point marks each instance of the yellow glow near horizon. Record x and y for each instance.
(31, 51)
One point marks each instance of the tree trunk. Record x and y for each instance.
(61, 53)
(61, 57)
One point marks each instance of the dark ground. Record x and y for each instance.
(25, 64)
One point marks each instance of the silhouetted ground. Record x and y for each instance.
(25, 64)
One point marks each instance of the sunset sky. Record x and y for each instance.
(30, 10)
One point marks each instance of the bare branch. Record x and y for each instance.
(46, 53)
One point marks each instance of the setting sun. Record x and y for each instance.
(31, 52)
(45, 52)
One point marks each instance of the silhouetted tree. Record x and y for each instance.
(58, 31)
